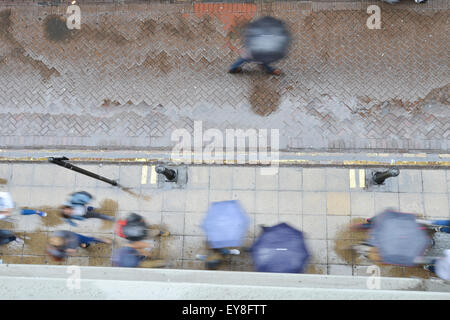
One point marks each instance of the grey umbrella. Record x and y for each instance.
(399, 238)
(267, 39)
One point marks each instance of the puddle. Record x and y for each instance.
(345, 238)
(53, 217)
(108, 207)
(35, 243)
(3, 181)
(264, 99)
(55, 28)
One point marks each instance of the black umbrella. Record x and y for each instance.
(399, 238)
(267, 39)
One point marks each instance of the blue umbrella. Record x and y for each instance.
(280, 248)
(399, 238)
(225, 224)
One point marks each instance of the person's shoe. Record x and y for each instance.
(235, 70)
(42, 214)
(201, 257)
(427, 267)
(437, 229)
(276, 72)
(234, 252)
(19, 241)
(164, 233)
(84, 245)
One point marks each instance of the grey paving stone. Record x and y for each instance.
(314, 179)
(436, 205)
(434, 181)
(362, 204)
(290, 178)
(289, 202)
(314, 203)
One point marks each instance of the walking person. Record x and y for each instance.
(212, 261)
(62, 243)
(246, 57)
(134, 228)
(7, 236)
(437, 225)
(7, 207)
(266, 40)
(76, 208)
(131, 255)
(441, 266)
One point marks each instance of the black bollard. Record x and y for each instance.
(170, 174)
(379, 177)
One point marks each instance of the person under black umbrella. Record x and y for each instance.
(266, 41)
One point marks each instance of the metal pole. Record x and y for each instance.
(61, 162)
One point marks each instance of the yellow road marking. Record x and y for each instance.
(153, 175)
(362, 178)
(144, 175)
(352, 178)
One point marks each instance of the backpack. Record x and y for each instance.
(133, 228)
(81, 198)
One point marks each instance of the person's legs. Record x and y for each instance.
(27, 212)
(6, 237)
(236, 66)
(88, 240)
(444, 223)
(90, 213)
(430, 267)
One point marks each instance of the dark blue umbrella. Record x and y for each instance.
(267, 39)
(398, 238)
(225, 224)
(280, 248)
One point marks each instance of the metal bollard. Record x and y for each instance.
(379, 177)
(170, 174)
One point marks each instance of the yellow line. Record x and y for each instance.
(362, 178)
(144, 175)
(153, 175)
(352, 178)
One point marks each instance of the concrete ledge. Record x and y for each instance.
(291, 158)
(56, 282)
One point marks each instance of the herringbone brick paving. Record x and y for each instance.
(134, 73)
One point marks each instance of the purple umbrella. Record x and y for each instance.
(398, 238)
(280, 248)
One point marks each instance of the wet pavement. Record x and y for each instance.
(136, 72)
(322, 202)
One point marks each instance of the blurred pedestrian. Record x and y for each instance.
(441, 266)
(266, 40)
(134, 228)
(76, 208)
(62, 243)
(246, 57)
(212, 261)
(7, 236)
(7, 207)
(437, 225)
(131, 255)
